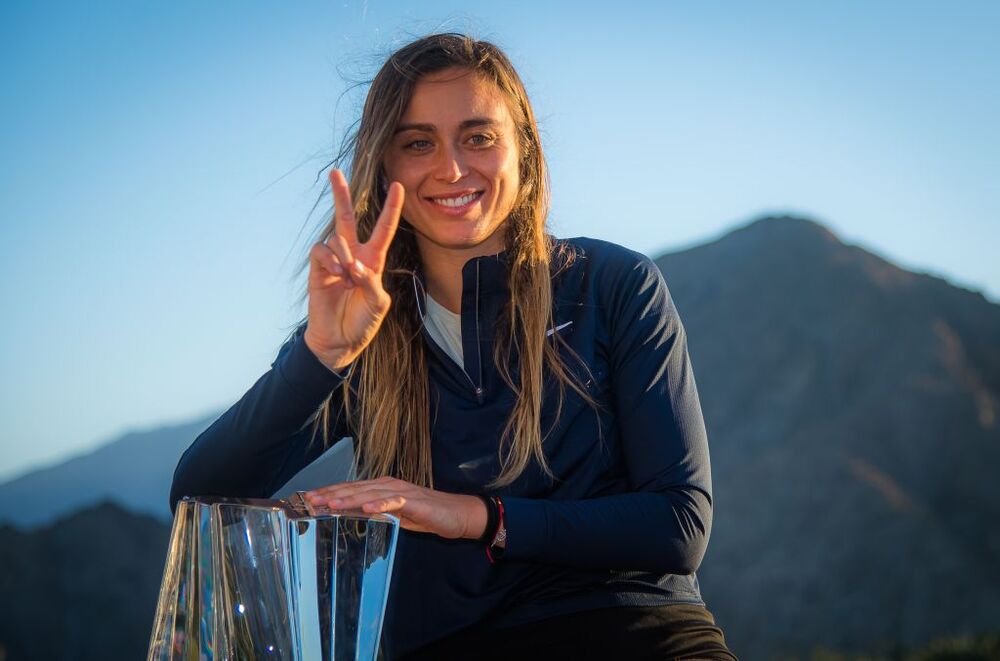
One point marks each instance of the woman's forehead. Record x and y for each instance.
(452, 96)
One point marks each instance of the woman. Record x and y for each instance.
(524, 405)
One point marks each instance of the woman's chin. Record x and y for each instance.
(484, 243)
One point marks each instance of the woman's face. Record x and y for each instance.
(455, 152)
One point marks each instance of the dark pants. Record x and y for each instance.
(636, 633)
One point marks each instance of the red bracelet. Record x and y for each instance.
(492, 550)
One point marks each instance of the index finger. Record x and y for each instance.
(345, 224)
(387, 223)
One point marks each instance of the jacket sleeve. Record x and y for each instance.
(266, 437)
(664, 523)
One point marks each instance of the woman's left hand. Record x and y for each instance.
(419, 509)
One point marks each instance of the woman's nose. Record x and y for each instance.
(450, 167)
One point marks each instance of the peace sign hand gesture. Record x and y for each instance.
(346, 300)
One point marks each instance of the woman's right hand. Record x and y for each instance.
(346, 300)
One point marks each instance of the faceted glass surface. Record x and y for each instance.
(279, 579)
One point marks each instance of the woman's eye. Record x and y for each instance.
(481, 140)
(418, 145)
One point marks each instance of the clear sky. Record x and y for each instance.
(158, 163)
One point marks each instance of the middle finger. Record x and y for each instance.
(357, 499)
(345, 489)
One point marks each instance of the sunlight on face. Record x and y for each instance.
(455, 152)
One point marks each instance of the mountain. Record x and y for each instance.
(134, 470)
(852, 415)
(83, 588)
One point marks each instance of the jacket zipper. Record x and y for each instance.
(479, 345)
(477, 390)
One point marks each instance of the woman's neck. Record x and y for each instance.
(443, 269)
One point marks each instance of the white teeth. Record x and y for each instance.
(456, 201)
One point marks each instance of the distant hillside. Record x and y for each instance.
(852, 415)
(134, 470)
(83, 589)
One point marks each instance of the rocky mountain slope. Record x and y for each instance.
(83, 588)
(852, 413)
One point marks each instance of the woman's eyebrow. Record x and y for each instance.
(430, 128)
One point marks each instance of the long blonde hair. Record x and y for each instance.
(390, 412)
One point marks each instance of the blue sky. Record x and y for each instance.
(159, 162)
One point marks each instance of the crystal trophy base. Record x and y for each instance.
(273, 579)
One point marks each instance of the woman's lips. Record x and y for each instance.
(455, 205)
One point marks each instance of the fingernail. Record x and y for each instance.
(359, 269)
(334, 502)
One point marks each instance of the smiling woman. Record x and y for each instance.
(525, 405)
(456, 154)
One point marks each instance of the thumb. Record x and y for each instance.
(370, 283)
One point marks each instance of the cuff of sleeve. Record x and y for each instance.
(527, 524)
(306, 374)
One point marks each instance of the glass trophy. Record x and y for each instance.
(273, 579)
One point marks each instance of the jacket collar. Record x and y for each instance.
(486, 274)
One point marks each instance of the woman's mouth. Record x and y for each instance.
(456, 205)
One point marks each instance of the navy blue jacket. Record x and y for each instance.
(625, 523)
